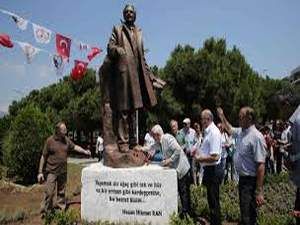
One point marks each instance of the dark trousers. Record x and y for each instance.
(190, 159)
(297, 204)
(184, 193)
(269, 166)
(230, 167)
(212, 179)
(278, 157)
(100, 155)
(248, 207)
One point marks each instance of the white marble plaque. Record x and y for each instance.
(145, 194)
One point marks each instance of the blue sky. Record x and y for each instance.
(267, 32)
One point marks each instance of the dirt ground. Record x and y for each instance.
(16, 200)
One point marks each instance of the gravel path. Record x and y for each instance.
(82, 161)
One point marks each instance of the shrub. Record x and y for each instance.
(24, 142)
(4, 126)
(70, 217)
(279, 195)
(175, 220)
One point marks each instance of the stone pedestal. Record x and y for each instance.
(146, 194)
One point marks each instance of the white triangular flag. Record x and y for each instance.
(29, 50)
(21, 22)
(41, 34)
(83, 46)
(59, 64)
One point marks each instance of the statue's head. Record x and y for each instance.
(129, 14)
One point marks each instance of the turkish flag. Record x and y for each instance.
(63, 45)
(94, 51)
(79, 70)
(5, 41)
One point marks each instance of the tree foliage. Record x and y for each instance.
(24, 142)
(4, 127)
(75, 102)
(213, 76)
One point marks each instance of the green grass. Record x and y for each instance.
(74, 180)
(6, 217)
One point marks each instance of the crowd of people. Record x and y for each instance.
(208, 154)
(278, 139)
(211, 154)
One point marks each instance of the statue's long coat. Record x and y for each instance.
(131, 87)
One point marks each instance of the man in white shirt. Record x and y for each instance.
(148, 139)
(99, 147)
(209, 155)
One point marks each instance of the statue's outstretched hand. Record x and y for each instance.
(157, 85)
(157, 82)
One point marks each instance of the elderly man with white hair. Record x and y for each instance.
(174, 157)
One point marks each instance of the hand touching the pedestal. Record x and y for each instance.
(138, 148)
(166, 162)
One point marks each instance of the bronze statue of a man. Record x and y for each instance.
(127, 85)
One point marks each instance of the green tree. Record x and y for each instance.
(213, 76)
(4, 127)
(24, 142)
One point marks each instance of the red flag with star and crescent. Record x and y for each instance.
(63, 45)
(94, 51)
(79, 70)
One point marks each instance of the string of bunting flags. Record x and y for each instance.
(44, 35)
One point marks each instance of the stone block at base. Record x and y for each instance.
(145, 194)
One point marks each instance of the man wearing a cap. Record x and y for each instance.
(189, 140)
